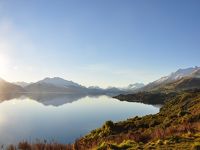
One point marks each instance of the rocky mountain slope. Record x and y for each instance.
(182, 79)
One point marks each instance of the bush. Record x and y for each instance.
(196, 146)
(109, 124)
(182, 113)
(153, 123)
(194, 118)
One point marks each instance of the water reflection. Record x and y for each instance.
(30, 117)
(9, 96)
(58, 99)
(54, 99)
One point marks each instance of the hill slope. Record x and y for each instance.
(176, 126)
(6, 87)
(182, 79)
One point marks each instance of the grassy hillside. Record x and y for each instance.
(186, 83)
(176, 126)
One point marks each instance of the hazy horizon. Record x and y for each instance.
(98, 85)
(104, 43)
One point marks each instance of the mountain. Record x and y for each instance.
(96, 90)
(59, 82)
(184, 84)
(113, 91)
(58, 85)
(134, 87)
(182, 79)
(55, 85)
(6, 87)
(22, 84)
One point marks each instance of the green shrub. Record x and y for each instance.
(108, 125)
(153, 123)
(183, 113)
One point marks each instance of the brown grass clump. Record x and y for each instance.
(40, 146)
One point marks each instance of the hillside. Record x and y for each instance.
(176, 126)
(182, 79)
(146, 97)
(181, 84)
(6, 87)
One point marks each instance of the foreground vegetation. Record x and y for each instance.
(40, 145)
(176, 126)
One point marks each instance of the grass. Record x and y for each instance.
(40, 146)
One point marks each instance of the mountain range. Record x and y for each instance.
(182, 79)
(62, 86)
(55, 85)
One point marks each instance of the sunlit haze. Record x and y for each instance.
(104, 43)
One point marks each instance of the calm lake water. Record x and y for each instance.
(61, 117)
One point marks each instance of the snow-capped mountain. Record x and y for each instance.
(59, 82)
(55, 85)
(181, 76)
(181, 79)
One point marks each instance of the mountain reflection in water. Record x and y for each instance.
(62, 117)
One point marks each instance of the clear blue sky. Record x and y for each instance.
(98, 42)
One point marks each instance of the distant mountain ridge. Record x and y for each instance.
(59, 85)
(135, 86)
(182, 79)
(6, 87)
(55, 85)
(59, 82)
(22, 84)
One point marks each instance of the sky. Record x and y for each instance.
(98, 42)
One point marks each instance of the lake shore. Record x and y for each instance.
(177, 126)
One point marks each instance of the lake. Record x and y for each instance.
(62, 118)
